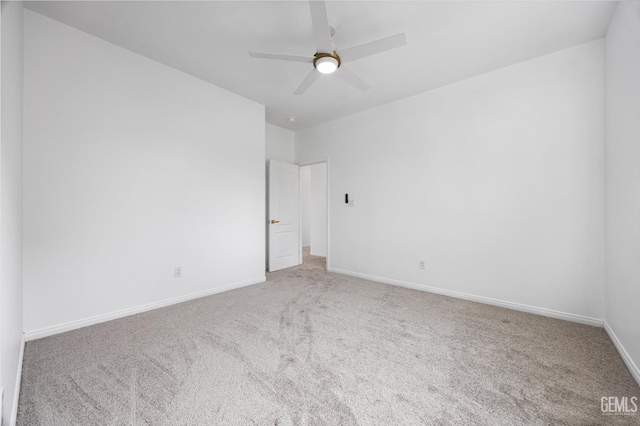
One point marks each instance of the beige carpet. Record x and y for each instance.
(312, 348)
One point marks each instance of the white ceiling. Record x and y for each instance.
(446, 42)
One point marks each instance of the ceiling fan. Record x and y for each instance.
(326, 60)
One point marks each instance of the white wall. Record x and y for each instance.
(130, 169)
(305, 205)
(623, 179)
(313, 208)
(280, 144)
(318, 209)
(11, 201)
(497, 182)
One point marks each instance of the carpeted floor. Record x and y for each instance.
(311, 348)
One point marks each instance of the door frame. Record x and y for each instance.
(311, 163)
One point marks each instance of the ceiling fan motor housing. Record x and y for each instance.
(331, 61)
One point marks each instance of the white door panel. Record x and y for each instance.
(283, 215)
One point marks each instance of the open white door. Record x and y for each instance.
(283, 215)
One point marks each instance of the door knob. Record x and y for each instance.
(274, 221)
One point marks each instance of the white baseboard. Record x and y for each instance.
(473, 298)
(312, 253)
(72, 325)
(16, 391)
(633, 368)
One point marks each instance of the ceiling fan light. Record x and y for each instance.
(326, 64)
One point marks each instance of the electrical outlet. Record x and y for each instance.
(177, 272)
(420, 264)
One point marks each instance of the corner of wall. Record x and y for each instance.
(622, 183)
(11, 306)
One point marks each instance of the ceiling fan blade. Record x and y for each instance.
(308, 81)
(373, 47)
(293, 58)
(347, 75)
(321, 31)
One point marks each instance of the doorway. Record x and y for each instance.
(314, 214)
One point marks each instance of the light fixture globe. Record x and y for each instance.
(326, 63)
